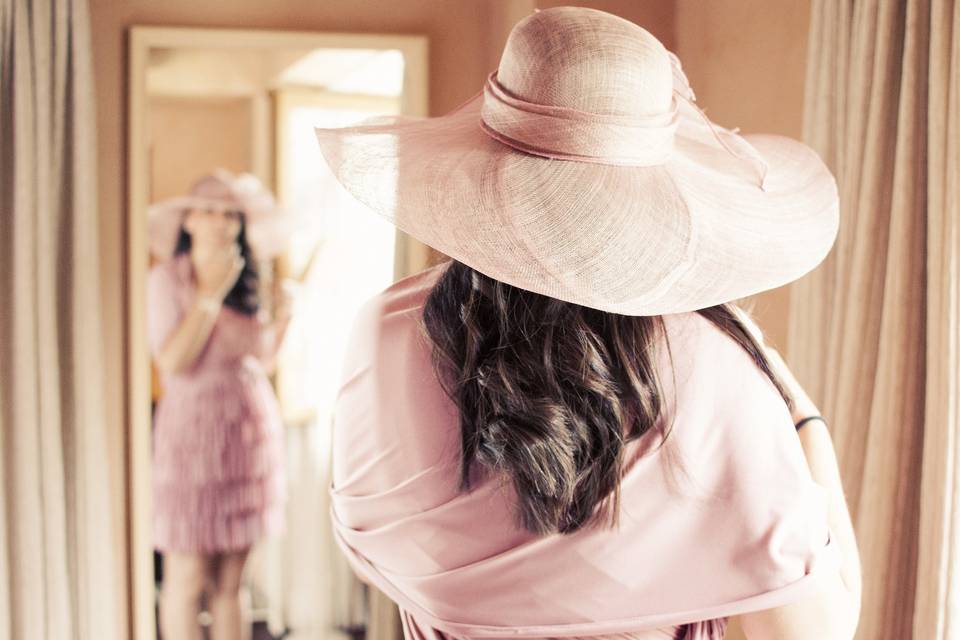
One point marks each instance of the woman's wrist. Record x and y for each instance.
(208, 302)
(798, 424)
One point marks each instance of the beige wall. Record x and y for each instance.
(656, 16)
(189, 137)
(744, 59)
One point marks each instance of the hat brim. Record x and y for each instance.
(268, 228)
(688, 234)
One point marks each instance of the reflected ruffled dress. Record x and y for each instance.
(741, 527)
(218, 453)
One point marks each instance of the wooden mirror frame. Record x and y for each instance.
(411, 256)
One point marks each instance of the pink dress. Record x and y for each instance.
(218, 479)
(745, 528)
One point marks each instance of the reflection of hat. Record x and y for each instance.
(584, 171)
(267, 225)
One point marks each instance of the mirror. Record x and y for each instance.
(229, 443)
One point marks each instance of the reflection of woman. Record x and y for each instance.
(218, 452)
(570, 429)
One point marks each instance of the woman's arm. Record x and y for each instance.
(832, 610)
(818, 448)
(277, 330)
(274, 340)
(185, 343)
(822, 460)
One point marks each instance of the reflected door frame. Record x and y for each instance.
(411, 255)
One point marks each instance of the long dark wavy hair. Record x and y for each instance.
(550, 392)
(244, 296)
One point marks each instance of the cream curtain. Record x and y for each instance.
(59, 576)
(937, 599)
(874, 331)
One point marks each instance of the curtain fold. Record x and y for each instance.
(59, 573)
(873, 331)
(937, 599)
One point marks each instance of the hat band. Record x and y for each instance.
(570, 134)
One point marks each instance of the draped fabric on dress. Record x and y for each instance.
(724, 518)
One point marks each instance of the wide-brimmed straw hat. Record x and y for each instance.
(268, 226)
(583, 170)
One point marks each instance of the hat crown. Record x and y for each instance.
(588, 60)
(216, 186)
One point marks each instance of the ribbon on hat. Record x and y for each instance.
(729, 139)
(570, 134)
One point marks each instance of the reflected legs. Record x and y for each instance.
(186, 577)
(231, 620)
(183, 583)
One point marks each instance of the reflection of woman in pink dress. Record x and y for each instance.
(570, 429)
(218, 478)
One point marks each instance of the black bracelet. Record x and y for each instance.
(808, 419)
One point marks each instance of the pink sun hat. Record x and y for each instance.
(268, 226)
(584, 170)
